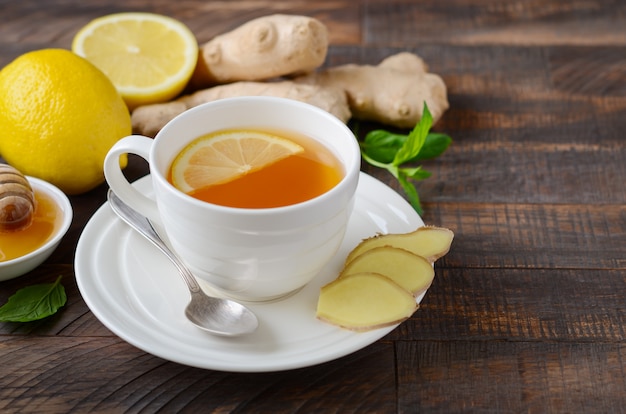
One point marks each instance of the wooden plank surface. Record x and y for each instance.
(66, 374)
(527, 313)
(510, 377)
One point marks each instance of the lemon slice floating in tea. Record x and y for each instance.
(148, 57)
(224, 156)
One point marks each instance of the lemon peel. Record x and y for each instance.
(59, 116)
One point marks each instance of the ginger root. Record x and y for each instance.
(263, 48)
(393, 92)
(149, 119)
(277, 46)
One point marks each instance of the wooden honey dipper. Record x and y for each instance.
(17, 199)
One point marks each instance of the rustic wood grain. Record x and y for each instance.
(535, 236)
(532, 22)
(527, 313)
(521, 305)
(87, 374)
(444, 377)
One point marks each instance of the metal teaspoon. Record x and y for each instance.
(215, 315)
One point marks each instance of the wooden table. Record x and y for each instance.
(527, 312)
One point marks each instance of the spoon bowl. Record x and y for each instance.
(218, 316)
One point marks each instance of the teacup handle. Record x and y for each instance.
(138, 145)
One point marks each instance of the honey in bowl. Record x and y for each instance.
(304, 169)
(45, 220)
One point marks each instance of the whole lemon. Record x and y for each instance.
(59, 116)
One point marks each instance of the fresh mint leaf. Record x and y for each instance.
(391, 151)
(417, 173)
(382, 145)
(34, 302)
(411, 193)
(375, 162)
(416, 139)
(435, 145)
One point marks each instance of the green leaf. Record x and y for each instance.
(435, 145)
(416, 173)
(34, 302)
(416, 139)
(411, 193)
(381, 138)
(374, 162)
(389, 151)
(382, 145)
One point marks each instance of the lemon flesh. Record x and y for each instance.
(148, 57)
(224, 156)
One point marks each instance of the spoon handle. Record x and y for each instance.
(145, 228)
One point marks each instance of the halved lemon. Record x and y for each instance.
(148, 57)
(226, 155)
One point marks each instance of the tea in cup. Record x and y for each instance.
(254, 169)
(269, 230)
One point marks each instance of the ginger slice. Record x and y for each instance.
(364, 301)
(412, 272)
(381, 278)
(429, 242)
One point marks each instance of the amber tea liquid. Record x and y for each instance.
(289, 181)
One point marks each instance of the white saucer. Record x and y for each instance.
(135, 292)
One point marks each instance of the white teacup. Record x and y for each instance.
(249, 254)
